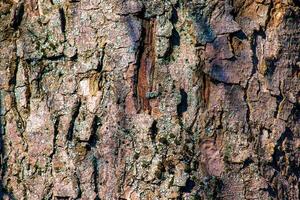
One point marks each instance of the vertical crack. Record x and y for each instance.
(95, 177)
(146, 63)
(153, 131)
(279, 100)
(56, 124)
(12, 82)
(183, 105)
(75, 113)
(175, 37)
(62, 17)
(79, 192)
(269, 12)
(17, 15)
(255, 61)
(279, 152)
(101, 59)
(94, 137)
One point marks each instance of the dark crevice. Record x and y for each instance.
(221, 120)
(174, 17)
(295, 112)
(279, 153)
(212, 187)
(269, 14)
(271, 191)
(79, 191)
(279, 100)
(62, 17)
(100, 63)
(175, 37)
(31, 61)
(183, 105)
(297, 3)
(95, 176)
(270, 67)
(54, 58)
(13, 70)
(248, 111)
(56, 128)
(247, 162)
(75, 113)
(12, 83)
(74, 1)
(94, 137)
(17, 17)
(153, 130)
(190, 184)
(239, 34)
(287, 134)
(75, 58)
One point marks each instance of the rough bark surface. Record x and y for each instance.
(160, 99)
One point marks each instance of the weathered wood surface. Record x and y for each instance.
(139, 99)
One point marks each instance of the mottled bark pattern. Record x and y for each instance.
(140, 99)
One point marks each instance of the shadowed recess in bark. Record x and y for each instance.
(190, 184)
(279, 153)
(153, 130)
(297, 2)
(94, 137)
(96, 176)
(17, 15)
(146, 64)
(75, 113)
(270, 67)
(62, 19)
(175, 37)
(183, 106)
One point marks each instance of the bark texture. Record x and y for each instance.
(149, 99)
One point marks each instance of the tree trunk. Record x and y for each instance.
(160, 99)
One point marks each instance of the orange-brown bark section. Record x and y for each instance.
(147, 62)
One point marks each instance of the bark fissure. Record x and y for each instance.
(17, 15)
(146, 64)
(75, 113)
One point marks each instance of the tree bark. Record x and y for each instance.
(139, 99)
